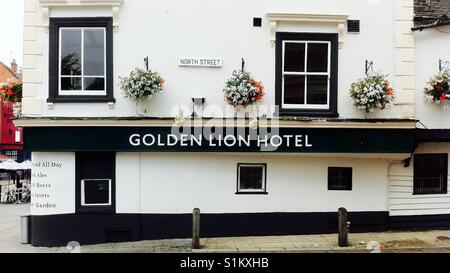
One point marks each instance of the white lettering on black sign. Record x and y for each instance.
(184, 140)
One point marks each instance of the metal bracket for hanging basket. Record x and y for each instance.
(243, 65)
(443, 65)
(146, 61)
(369, 67)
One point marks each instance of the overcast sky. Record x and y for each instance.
(11, 28)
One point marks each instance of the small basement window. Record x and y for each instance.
(430, 174)
(252, 179)
(340, 179)
(96, 192)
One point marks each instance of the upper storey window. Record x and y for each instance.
(81, 60)
(307, 74)
(82, 55)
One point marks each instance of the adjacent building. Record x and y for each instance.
(107, 169)
(11, 139)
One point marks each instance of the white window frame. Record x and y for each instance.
(83, 201)
(264, 177)
(82, 92)
(306, 74)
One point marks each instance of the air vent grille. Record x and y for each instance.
(257, 22)
(353, 26)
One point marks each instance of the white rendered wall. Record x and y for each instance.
(403, 202)
(127, 183)
(178, 183)
(166, 30)
(431, 45)
(53, 183)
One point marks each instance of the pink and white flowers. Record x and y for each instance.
(141, 84)
(242, 90)
(372, 92)
(437, 89)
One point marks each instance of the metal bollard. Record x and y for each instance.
(343, 227)
(25, 230)
(196, 229)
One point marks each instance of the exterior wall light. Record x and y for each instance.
(197, 107)
(179, 119)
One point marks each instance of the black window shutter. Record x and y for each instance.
(95, 166)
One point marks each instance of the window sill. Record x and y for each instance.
(431, 194)
(81, 99)
(307, 113)
(252, 193)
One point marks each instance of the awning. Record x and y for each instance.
(11, 165)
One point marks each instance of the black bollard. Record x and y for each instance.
(343, 227)
(196, 229)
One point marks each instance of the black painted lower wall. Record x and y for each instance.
(420, 222)
(58, 230)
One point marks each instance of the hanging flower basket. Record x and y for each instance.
(242, 90)
(11, 91)
(141, 84)
(438, 88)
(372, 92)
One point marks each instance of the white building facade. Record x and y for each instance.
(107, 169)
